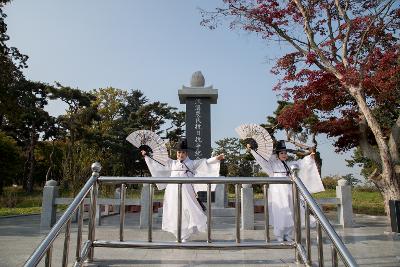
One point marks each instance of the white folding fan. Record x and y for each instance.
(151, 142)
(259, 139)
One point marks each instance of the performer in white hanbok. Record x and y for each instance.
(193, 217)
(280, 195)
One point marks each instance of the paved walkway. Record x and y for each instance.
(368, 241)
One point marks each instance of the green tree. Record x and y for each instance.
(74, 127)
(237, 162)
(175, 132)
(10, 160)
(105, 132)
(28, 123)
(138, 114)
(22, 103)
(48, 158)
(11, 64)
(351, 180)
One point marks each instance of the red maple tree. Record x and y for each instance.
(345, 68)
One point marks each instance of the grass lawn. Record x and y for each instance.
(19, 211)
(16, 202)
(364, 202)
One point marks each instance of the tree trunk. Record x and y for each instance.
(1, 186)
(390, 183)
(1, 120)
(26, 171)
(318, 159)
(50, 162)
(29, 179)
(31, 163)
(387, 169)
(390, 191)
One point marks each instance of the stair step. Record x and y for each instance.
(215, 212)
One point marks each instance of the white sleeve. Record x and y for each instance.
(212, 160)
(309, 175)
(199, 162)
(265, 164)
(158, 170)
(206, 168)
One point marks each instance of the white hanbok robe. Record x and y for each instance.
(193, 218)
(280, 195)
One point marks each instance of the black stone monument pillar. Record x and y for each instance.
(198, 118)
(198, 115)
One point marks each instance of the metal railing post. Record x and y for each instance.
(266, 213)
(320, 246)
(334, 256)
(66, 244)
(150, 220)
(122, 212)
(208, 213)
(84, 252)
(319, 215)
(92, 223)
(79, 233)
(237, 208)
(49, 254)
(297, 221)
(303, 254)
(179, 224)
(307, 228)
(46, 245)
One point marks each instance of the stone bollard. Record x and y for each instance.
(144, 206)
(247, 199)
(221, 196)
(48, 215)
(345, 208)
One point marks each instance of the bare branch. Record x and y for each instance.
(332, 38)
(289, 39)
(386, 7)
(310, 36)
(376, 178)
(300, 145)
(345, 41)
(299, 41)
(314, 139)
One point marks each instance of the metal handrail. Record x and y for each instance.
(195, 180)
(302, 253)
(322, 220)
(47, 242)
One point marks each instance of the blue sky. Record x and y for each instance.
(154, 46)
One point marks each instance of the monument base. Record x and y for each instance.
(203, 196)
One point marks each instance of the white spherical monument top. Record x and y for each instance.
(198, 90)
(197, 80)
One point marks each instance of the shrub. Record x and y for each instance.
(10, 160)
(9, 200)
(366, 188)
(330, 182)
(351, 180)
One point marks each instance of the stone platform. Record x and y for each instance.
(368, 241)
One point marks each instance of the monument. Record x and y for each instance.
(198, 100)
